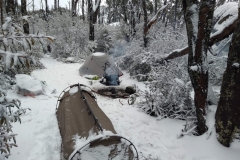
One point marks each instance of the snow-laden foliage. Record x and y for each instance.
(71, 35)
(217, 66)
(169, 92)
(168, 84)
(72, 39)
(6, 82)
(10, 111)
(19, 53)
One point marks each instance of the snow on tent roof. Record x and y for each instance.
(98, 54)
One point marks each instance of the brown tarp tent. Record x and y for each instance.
(79, 114)
(95, 65)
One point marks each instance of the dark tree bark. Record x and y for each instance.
(164, 12)
(155, 6)
(74, 8)
(175, 14)
(1, 7)
(92, 14)
(123, 6)
(145, 21)
(90, 18)
(10, 7)
(83, 14)
(228, 111)
(197, 59)
(24, 12)
(55, 4)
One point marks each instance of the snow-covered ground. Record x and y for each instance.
(39, 138)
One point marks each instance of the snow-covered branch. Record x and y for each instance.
(154, 19)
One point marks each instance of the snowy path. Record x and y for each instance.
(39, 138)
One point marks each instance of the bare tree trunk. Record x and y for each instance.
(83, 14)
(10, 7)
(124, 2)
(24, 12)
(220, 2)
(145, 21)
(155, 6)
(198, 31)
(90, 18)
(175, 15)
(74, 8)
(228, 110)
(1, 7)
(55, 5)
(164, 12)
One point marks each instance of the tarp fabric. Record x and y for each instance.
(73, 118)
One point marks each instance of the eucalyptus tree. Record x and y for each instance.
(228, 110)
(199, 17)
(74, 8)
(92, 13)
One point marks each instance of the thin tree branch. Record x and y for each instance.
(226, 32)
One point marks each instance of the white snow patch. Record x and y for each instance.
(73, 90)
(39, 137)
(98, 54)
(194, 68)
(231, 9)
(236, 65)
(29, 83)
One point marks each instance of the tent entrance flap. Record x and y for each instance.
(79, 114)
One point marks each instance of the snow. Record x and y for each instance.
(39, 138)
(231, 9)
(236, 65)
(29, 83)
(98, 54)
(194, 19)
(194, 68)
(73, 90)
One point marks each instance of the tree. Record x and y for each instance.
(145, 21)
(228, 110)
(24, 13)
(199, 25)
(148, 25)
(92, 13)
(55, 4)
(1, 7)
(74, 8)
(10, 7)
(83, 14)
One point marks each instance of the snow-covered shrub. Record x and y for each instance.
(71, 36)
(104, 41)
(169, 92)
(10, 111)
(6, 82)
(18, 53)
